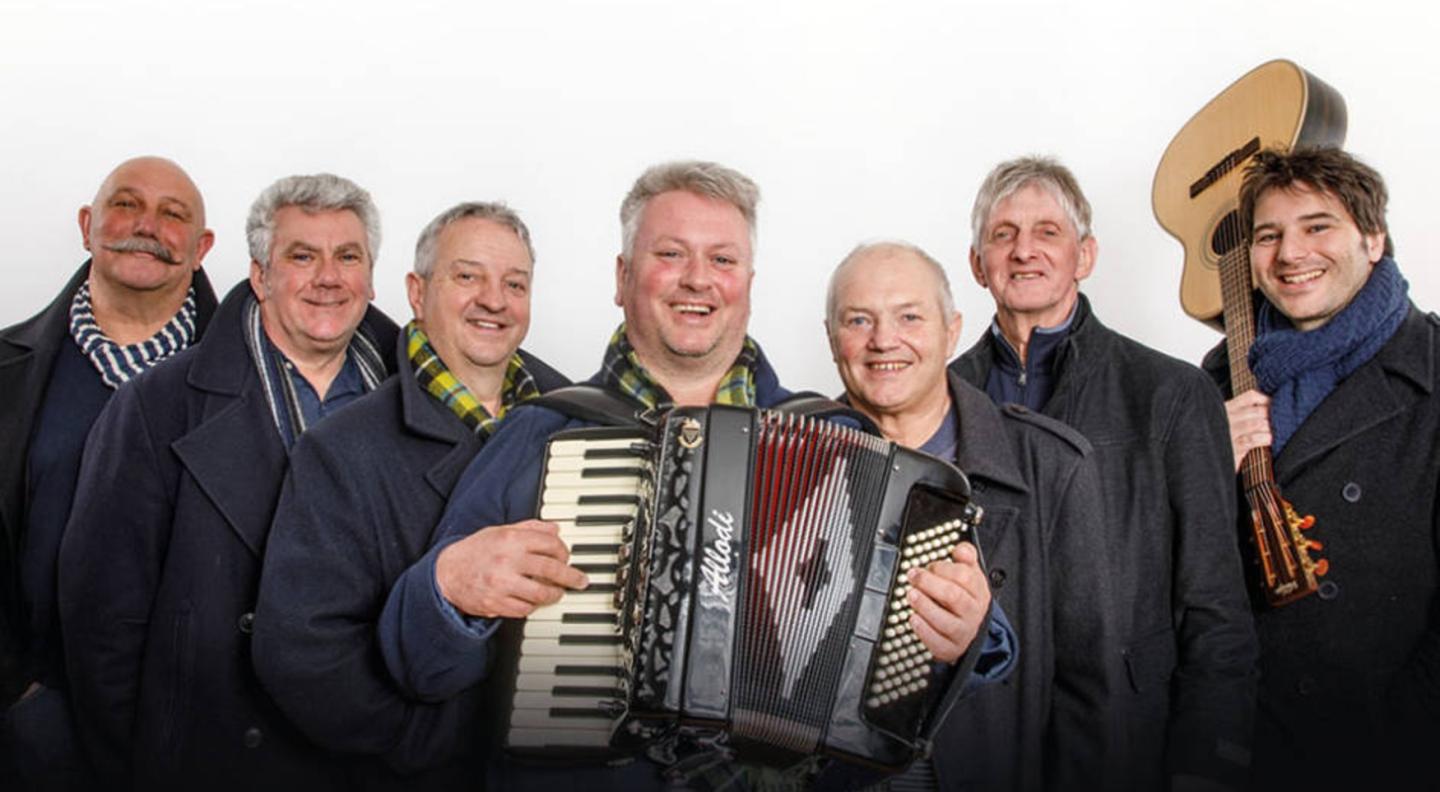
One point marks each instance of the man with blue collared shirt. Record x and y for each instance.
(1185, 641)
(161, 558)
(683, 281)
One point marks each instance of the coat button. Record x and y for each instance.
(253, 737)
(1351, 492)
(1328, 590)
(997, 578)
(246, 623)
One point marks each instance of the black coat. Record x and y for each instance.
(1188, 647)
(27, 357)
(1350, 676)
(159, 571)
(1042, 539)
(360, 502)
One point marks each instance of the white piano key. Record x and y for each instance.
(590, 654)
(557, 463)
(545, 699)
(569, 511)
(548, 664)
(544, 738)
(557, 611)
(574, 479)
(596, 533)
(552, 629)
(628, 487)
(541, 718)
(545, 682)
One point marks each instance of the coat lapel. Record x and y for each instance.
(1367, 398)
(425, 417)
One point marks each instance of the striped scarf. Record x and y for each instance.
(118, 364)
(622, 371)
(362, 350)
(437, 380)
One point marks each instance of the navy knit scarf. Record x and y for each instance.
(1299, 369)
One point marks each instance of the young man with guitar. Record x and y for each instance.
(1347, 369)
(1186, 642)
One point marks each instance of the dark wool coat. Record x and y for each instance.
(1350, 676)
(360, 503)
(159, 571)
(1042, 537)
(1187, 640)
(27, 356)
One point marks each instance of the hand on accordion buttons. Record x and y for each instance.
(950, 600)
(507, 571)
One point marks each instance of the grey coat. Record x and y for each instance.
(1188, 647)
(1042, 539)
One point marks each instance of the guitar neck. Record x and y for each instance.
(1237, 296)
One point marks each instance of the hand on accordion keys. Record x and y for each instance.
(950, 600)
(507, 571)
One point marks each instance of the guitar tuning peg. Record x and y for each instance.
(1314, 545)
(1321, 567)
(1307, 522)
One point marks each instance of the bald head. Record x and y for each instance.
(145, 229)
(885, 255)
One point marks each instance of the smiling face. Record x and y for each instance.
(686, 290)
(316, 289)
(1308, 256)
(475, 303)
(1031, 258)
(889, 334)
(146, 228)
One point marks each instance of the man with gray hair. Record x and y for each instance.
(1186, 640)
(892, 326)
(365, 490)
(161, 557)
(683, 281)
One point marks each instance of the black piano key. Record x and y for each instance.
(583, 549)
(580, 712)
(586, 670)
(615, 453)
(600, 588)
(590, 618)
(596, 568)
(610, 472)
(601, 500)
(603, 519)
(580, 690)
(589, 639)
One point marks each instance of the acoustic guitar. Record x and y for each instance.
(1196, 199)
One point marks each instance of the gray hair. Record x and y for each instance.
(495, 212)
(1045, 172)
(709, 179)
(322, 192)
(947, 298)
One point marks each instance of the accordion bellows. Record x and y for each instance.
(747, 590)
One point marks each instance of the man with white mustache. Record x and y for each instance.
(141, 298)
(161, 557)
(1185, 638)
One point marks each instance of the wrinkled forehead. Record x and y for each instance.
(155, 178)
(1040, 200)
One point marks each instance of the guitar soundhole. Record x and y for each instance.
(1227, 234)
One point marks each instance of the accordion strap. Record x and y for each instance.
(594, 404)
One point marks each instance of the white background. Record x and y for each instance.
(858, 120)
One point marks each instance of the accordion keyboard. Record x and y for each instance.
(568, 692)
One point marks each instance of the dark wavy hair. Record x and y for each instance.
(1356, 185)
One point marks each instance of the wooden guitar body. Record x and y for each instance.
(1196, 198)
(1197, 184)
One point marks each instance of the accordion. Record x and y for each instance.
(747, 586)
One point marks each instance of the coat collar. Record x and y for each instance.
(1402, 372)
(985, 449)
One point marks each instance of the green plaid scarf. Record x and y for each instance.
(622, 371)
(437, 381)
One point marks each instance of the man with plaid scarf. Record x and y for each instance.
(683, 281)
(366, 488)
